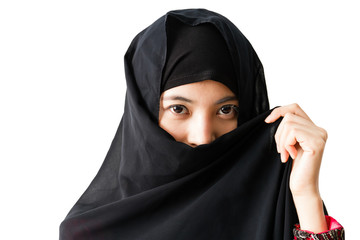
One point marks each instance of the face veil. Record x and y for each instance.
(152, 187)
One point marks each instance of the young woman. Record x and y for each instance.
(196, 155)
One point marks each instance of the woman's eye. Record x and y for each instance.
(228, 109)
(178, 109)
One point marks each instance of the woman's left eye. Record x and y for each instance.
(228, 109)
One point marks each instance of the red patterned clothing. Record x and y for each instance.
(335, 232)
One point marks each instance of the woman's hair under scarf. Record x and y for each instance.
(196, 53)
(153, 187)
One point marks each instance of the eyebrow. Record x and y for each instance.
(222, 100)
(177, 98)
(226, 99)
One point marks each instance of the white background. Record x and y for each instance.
(62, 91)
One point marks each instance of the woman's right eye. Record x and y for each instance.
(178, 109)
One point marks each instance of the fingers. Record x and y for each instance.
(294, 133)
(286, 136)
(282, 111)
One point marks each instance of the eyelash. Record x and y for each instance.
(234, 108)
(177, 105)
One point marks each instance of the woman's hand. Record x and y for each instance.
(300, 138)
(297, 136)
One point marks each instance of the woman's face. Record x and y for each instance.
(198, 113)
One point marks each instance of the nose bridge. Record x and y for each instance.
(202, 131)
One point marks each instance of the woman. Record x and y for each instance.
(194, 156)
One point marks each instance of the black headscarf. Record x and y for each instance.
(152, 187)
(196, 53)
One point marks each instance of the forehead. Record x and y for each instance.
(206, 86)
(207, 91)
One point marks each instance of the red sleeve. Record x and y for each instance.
(335, 232)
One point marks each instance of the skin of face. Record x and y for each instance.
(198, 113)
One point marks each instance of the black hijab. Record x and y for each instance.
(152, 187)
(196, 53)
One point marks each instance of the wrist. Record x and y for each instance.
(305, 190)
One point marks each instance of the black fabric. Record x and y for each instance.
(152, 187)
(196, 53)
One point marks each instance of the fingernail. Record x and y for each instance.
(282, 158)
(267, 119)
